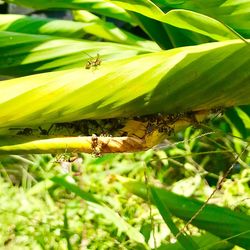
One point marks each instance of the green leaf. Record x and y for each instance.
(237, 122)
(205, 241)
(42, 26)
(233, 13)
(70, 29)
(174, 81)
(62, 181)
(183, 19)
(223, 222)
(168, 36)
(246, 109)
(23, 54)
(155, 30)
(110, 215)
(100, 7)
(66, 229)
(181, 37)
(185, 241)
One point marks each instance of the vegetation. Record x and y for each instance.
(167, 78)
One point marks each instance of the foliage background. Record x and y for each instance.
(34, 209)
(39, 211)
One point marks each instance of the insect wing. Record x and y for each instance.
(66, 167)
(98, 60)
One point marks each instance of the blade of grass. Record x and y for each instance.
(222, 222)
(66, 229)
(185, 241)
(112, 216)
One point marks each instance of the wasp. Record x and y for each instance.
(93, 62)
(66, 162)
(96, 146)
(23, 131)
(44, 131)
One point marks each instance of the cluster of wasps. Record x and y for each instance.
(163, 123)
(32, 131)
(104, 127)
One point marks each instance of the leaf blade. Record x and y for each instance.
(96, 6)
(69, 29)
(139, 85)
(233, 226)
(184, 19)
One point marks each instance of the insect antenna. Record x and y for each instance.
(88, 54)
